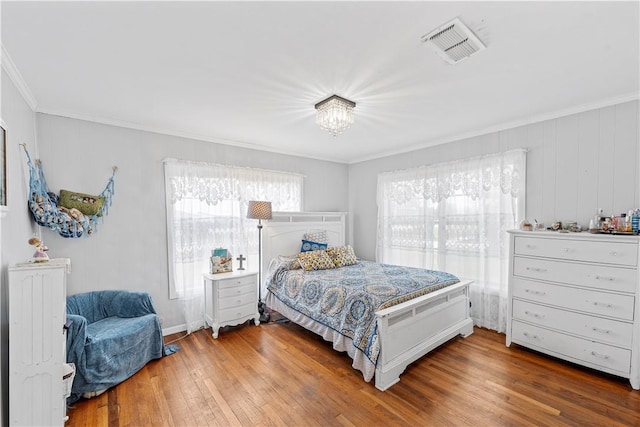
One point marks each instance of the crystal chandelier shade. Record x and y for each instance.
(335, 114)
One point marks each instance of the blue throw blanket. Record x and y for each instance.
(113, 334)
(345, 299)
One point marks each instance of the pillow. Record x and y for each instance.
(85, 203)
(308, 245)
(319, 236)
(342, 255)
(289, 262)
(315, 260)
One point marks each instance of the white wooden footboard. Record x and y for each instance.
(410, 330)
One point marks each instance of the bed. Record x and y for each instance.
(388, 325)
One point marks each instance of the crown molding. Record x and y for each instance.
(607, 102)
(12, 71)
(181, 134)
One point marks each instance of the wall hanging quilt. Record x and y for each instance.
(71, 214)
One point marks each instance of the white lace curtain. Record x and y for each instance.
(453, 217)
(206, 209)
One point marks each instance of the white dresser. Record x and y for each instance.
(37, 343)
(575, 296)
(230, 299)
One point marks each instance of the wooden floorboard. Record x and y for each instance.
(279, 374)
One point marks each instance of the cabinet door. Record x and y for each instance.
(37, 313)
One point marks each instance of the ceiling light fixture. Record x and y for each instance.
(335, 114)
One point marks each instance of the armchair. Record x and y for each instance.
(113, 334)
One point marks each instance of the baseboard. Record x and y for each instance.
(174, 329)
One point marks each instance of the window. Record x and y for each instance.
(453, 217)
(206, 209)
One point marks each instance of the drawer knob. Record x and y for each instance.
(611, 279)
(602, 304)
(536, 315)
(600, 356)
(614, 253)
(539, 270)
(566, 249)
(528, 335)
(531, 291)
(602, 331)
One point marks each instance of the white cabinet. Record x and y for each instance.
(575, 296)
(37, 344)
(230, 299)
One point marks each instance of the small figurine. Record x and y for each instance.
(41, 250)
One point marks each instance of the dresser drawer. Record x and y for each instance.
(618, 253)
(229, 314)
(237, 300)
(585, 300)
(596, 328)
(605, 356)
(237, 290)
(593, 276)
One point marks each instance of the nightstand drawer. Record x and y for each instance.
(588, 301)
(556, 343)
(588, 251)
(238, 281)
(589, 275)
(230, 314)
(596, 328)
(237, 300)
(237, 290)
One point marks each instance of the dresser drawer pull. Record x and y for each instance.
(539, 270)
(614, 253)
(602, 331)
(531, 291)
(601, 356)
(528, 335)
(536, 315)
(602, 304)
(566, 250)
(611, 279)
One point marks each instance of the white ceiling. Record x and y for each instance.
(249, 73)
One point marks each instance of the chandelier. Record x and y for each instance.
(335, 114)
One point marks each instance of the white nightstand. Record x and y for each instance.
(230, 299)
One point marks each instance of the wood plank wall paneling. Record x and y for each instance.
(280, 374)
(575, 165)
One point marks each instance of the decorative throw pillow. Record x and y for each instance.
(319, 236)
(289, 262)
(85, 203)
(342, 255)
(308, 245)
(315, 260)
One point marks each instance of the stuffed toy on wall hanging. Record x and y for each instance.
(71, 214)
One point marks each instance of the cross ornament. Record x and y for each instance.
(240, 259)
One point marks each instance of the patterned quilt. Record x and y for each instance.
(345, 299)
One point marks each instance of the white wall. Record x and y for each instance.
(16, 227)
(129, 250)
(575, 165)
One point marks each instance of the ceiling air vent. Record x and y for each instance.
(454, 41)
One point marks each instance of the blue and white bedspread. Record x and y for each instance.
(345, 299)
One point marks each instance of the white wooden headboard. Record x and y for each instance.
(283, 234)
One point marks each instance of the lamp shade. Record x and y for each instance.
(259, 210)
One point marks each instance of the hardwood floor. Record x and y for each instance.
(280, 374)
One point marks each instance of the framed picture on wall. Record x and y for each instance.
(3, 164)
